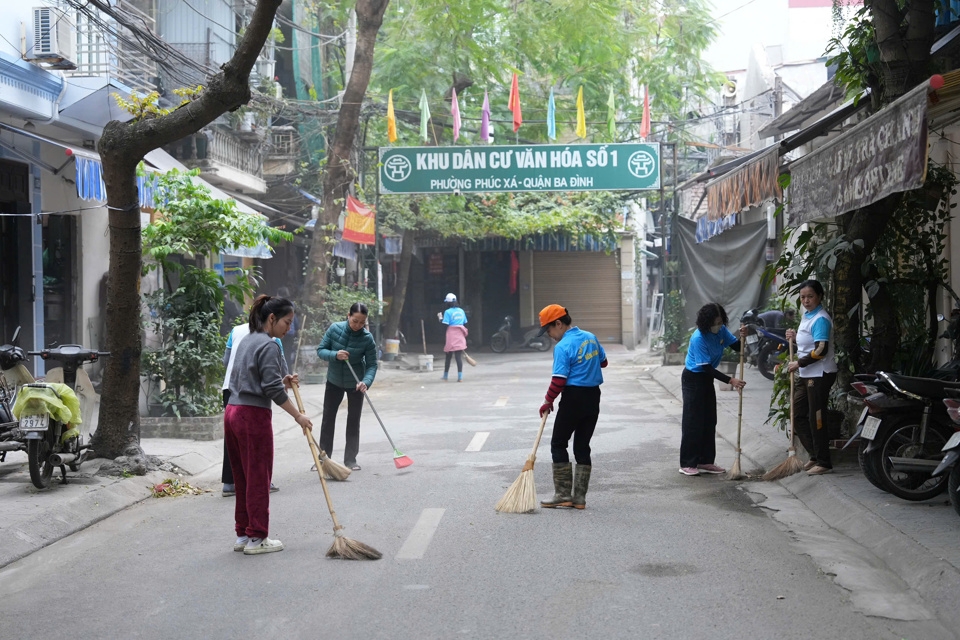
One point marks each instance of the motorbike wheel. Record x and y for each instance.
(545, 344)
(38, 457)
(870, 464)
(498, 343)
(954, 487)
(897, 440)
(768, 359)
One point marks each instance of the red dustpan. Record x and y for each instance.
(399, 460)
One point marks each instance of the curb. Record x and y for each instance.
(67, 518)
(934, 579)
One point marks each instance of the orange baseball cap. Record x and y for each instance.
(550, 313)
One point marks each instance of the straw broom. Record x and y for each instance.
(521, 497)
(332, 469)
(343, 547)
(792, 464)
(735, 473)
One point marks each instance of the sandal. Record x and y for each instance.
(355, 467)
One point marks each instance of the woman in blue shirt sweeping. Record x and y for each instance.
(698, 448)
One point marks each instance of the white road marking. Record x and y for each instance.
(501, 401)
(419, 539)
(477, 443)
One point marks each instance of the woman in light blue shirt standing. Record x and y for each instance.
(698, 447)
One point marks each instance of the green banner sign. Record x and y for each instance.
(574, 167)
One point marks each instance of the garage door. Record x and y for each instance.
(586, 283)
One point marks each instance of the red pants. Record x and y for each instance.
(248, 433)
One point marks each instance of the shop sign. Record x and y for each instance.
(885, 154)
(575, 167)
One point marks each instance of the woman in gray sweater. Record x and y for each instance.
(256, 380)
(343, 343)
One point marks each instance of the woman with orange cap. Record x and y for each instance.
(577, 360)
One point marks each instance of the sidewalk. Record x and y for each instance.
(917, 541)
(31, 519)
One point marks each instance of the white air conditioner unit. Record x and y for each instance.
(54, 39)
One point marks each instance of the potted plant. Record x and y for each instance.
(675, 334)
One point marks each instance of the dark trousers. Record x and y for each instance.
(446, 364)
(332, 398)
(576, 416)
(698, 443)
(810, 398)
(226, 473)
(249, 435)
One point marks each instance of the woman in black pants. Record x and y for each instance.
(698, 448)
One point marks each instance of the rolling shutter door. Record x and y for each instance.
(586, 283)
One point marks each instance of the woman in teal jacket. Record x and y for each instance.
(347, 342)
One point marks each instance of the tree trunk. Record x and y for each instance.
(403, 278)
(121, 148)
(340, 173)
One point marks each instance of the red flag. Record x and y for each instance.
(514, 103)
(361, 222)
(645, 120)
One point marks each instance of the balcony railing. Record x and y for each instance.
(283, 142)
(225, 148)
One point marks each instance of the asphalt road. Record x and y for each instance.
(655, 554)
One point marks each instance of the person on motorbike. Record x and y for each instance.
(256, 381)
(774, 319)
(456, 320)
(818, 371)
(577, 361)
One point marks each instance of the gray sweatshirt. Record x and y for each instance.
(257, 375)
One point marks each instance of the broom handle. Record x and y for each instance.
(372, 408)
(790, 344)
(536, 444)
(740, 409)
(296, 393)
(316, 460)
(423, 334)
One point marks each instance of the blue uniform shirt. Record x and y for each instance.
(705, 349)
(577, 358)
(454, 316)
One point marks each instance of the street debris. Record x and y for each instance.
(174, 487)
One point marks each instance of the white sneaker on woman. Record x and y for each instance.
(262, 545)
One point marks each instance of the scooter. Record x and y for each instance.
(951, 454)
(507, 337)
(48, 442)
(902, 432)
(773, 343)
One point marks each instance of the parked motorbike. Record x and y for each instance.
(902, 432)
(764, 345)
(507, 336)
(48, 442)
(951, 454)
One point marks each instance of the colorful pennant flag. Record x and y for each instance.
(581, 116)
(485, 119)
(611, 116)
(514, 103)
(455, 112)
(360, 223)
(645, 119)
(551, 117)
(424, 115)
(391, 119)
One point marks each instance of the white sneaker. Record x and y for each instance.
(241, 543)
(262, 545)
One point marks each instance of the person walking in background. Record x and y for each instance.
(345, 344)
(698, 446)
(775, 319)
(818, 371)
(256, 380)
(577, 361)
(456, 343)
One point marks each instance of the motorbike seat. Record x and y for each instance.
(925, 387)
